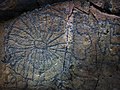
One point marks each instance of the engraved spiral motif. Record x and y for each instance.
(35, 46)
(42, 46)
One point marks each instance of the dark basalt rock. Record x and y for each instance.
(109, 6)
(10, 9)
(13, 8)
(61, 47)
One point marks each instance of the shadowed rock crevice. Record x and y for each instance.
(105, 9)
(13, 8)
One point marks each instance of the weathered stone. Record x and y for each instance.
(62, 47)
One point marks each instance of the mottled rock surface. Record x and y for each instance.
(65, 46)
(10, 9)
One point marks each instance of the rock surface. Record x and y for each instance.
(10, 9)
(65, 46)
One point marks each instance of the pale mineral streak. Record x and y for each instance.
(69, 31)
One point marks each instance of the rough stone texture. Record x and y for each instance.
(110, 6)
(65, 46)
(13, 8)
(10, 9)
